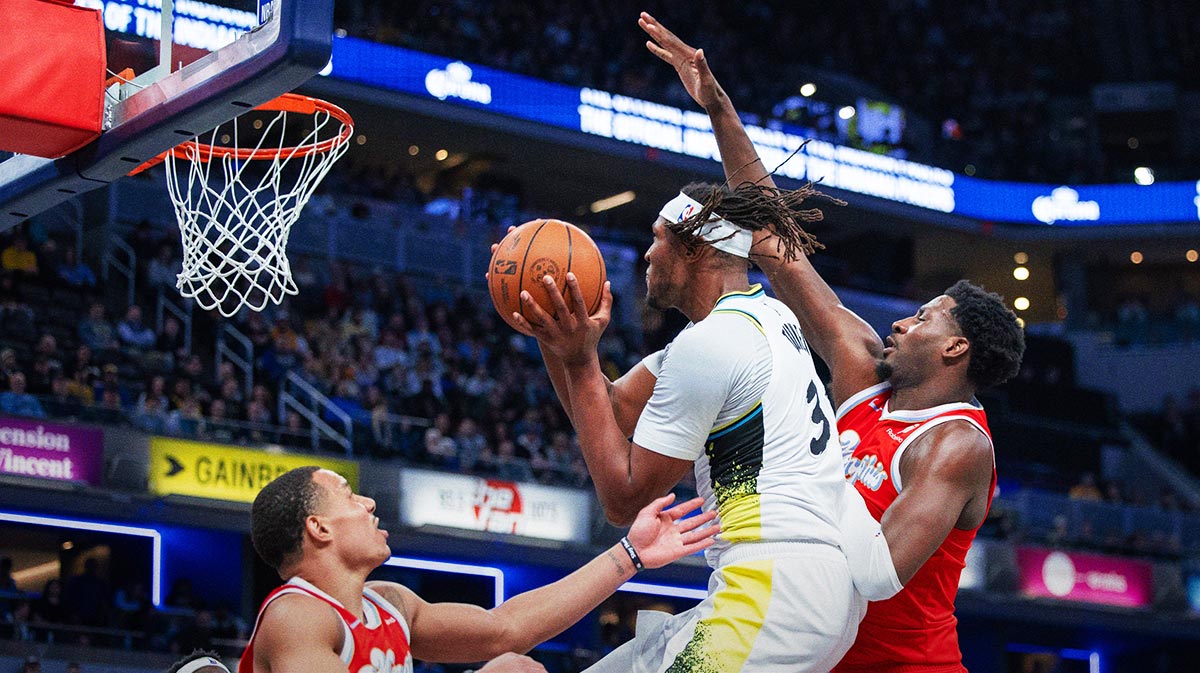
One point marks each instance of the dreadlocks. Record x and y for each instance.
(756, 207)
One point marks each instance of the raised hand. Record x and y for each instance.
(662, 536)
(571, 334)
(688, 62)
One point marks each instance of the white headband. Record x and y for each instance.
(202, 662)
(718, 232)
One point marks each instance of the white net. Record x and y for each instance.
(235, 214)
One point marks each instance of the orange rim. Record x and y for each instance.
(288, 102)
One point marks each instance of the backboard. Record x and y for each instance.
(292, 43)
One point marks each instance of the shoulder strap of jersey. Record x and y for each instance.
(297, 585)
(860, 397)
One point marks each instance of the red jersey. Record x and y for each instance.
(377, 643)
(915, 630)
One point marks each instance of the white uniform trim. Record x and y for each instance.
(894, 469)
(860, 397)
(919, 415)
(389, 608)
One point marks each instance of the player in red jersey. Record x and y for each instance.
(313, 529)
(915, 438)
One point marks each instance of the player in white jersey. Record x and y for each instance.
(736, 398)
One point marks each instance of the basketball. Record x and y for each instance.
(537, 249)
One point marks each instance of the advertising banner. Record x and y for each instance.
(475, 503)
(1088, 578)
(32, 448)
(182, 467)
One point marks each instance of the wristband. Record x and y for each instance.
(633, 555)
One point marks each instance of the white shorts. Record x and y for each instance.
(771, 606)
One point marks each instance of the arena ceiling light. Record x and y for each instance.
(610, 202)
(808, 89)
(1021, 273)
(846, 112)
(1143, 175)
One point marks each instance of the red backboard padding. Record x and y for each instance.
(53, 65)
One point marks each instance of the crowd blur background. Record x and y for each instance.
(391, 355)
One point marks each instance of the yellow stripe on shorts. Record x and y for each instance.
(723, 640)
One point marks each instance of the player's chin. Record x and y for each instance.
(884, 369)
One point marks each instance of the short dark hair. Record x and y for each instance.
(997, 340)
(277, 516)
(196, 654)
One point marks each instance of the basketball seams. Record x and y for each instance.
(524, 259)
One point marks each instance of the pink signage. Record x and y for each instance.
(1089, 578)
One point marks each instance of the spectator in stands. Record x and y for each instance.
(150, 410)
(18, 258)
(162, 271)
(87, 596)
(170, 346)
(96, 332)
(8, 367)
(110, 409)
(49, 608)
(1086, 489)
(82, 362)
(440, 448)
(62, 402)
(1133, 322)
(32, 664)
(182, 594)
(470, 444)
(133, 333)
(131, 605)
(507, 465)
(16, 402)
(227, 624)
(215, 426)
(16, 315)
(197, 635)
(110, 382)
(73, 271)
(41, 376)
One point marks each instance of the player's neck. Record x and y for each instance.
(342, 584)
(928, 394)
(706, 288)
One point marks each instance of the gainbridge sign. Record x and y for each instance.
(182, 467)
(494, 505)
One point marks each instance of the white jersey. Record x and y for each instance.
(738, 393)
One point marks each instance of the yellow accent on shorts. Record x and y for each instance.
(722, 641)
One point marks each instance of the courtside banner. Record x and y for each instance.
(31, 448)
(182, 467)
(474, 503)
(1087, 578)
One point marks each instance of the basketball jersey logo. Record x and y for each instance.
(867, 470)
(382, 661)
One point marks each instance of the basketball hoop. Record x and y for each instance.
(235, 220)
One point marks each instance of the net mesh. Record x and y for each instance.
(235, 214)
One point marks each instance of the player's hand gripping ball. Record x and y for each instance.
(537, 249)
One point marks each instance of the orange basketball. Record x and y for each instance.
(537, 249)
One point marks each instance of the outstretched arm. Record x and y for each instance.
(453, 632)
(843, 340)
